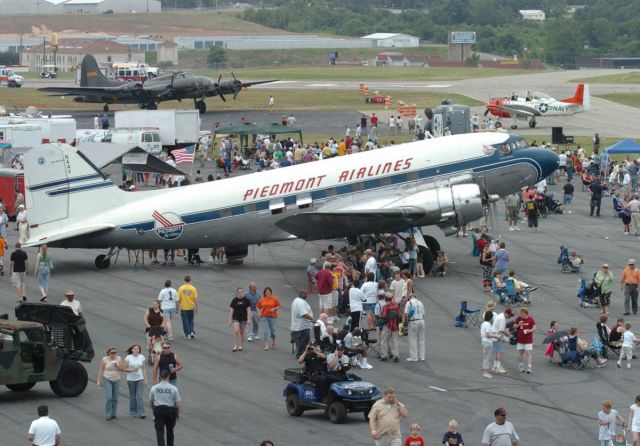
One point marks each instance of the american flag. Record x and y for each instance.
(185, 155)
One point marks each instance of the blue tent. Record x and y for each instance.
(624, 146)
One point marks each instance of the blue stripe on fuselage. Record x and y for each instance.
(369, 184)
(49, 184)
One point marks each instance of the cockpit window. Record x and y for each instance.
(511, 145)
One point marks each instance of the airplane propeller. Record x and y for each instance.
(486, 112)
(237, 86)
(219, 89)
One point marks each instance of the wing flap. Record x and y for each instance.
(71, 233)
(324, 225)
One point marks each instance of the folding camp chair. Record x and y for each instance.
(470, 315)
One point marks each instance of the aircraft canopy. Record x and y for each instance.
(244, 129)
(131, 156)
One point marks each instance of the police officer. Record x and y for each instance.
(166, 404)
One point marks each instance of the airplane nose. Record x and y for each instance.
(548, 161)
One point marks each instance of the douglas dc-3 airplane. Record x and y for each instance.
(96, 88)
(537, 104)
(442, 182)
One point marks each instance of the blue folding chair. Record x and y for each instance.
(512, 294)
(471, 314)
(499, 295)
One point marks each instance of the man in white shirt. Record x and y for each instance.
(500, 329)
(414, 317)
(44, 431)
(370, 290)
(356, 298)
(370, 265)
(70, 301)
(301, 322)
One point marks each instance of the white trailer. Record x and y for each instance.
(176, 127)
(51, 129)
(20, 136)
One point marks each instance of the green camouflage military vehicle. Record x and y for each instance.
(45, 343)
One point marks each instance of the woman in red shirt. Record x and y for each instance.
(268, 306)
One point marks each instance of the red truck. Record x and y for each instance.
(11, 181)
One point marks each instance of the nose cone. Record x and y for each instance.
(548, 161)
(545, 161)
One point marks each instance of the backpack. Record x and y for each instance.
(412, 311)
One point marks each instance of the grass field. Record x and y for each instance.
(167, 24)
(197, 59)
(623, 78)
(349, 73)
(632, 99)
(251, 99)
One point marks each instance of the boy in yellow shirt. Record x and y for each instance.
(3, 247)
(188, 306)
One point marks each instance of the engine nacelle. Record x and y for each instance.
(460, 204)
(235, 254)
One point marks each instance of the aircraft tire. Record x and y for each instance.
(202, 107)
(432, 244)
(427, 258)
(152, 106)
(532, 124)
(105, 108)
(102, 261)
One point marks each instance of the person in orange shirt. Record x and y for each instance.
(342, 148)
(629, 281)
(268, 306)
(3, 247)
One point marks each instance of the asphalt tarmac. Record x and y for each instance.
(236, 398)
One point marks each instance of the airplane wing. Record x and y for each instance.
(519, 110)
(79, 91)
(325, 225)
(63, 235)
(249, 84)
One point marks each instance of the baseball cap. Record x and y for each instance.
(313, 260)
(631, 262)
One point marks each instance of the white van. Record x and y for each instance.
(147, 138)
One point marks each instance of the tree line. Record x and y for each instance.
(598, 28)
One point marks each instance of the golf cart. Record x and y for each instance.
(350, 395)
(48, 71)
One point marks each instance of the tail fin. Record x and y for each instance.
(63, 190)
(91, 75)
(581, 97)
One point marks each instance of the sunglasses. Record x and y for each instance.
(166, 348)
(113, 352)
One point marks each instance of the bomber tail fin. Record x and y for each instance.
(91, 75)
(581, 97)
(63, 190)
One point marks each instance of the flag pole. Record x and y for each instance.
(193, 160)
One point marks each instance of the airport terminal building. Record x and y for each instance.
(78, 6)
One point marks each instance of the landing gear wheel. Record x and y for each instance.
(293, 405)
(71, 381)
(427, 259)
(336, 412)
(432, 243)
(20, 387)
(102, 261)
(532, 124)
(105, 108)
(201, 106)
(152, 106)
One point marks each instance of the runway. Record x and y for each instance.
(235, 398)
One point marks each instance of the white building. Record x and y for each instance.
(77, 6)
(31, 6)
(116, 6)
(532, 14)
(392, 40)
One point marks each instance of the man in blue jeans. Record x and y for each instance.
(188, 305)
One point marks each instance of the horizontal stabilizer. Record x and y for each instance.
(57, 235)
(319, 226)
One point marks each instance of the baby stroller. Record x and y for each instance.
(588, 294)
(156, 339)
(570, 263)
